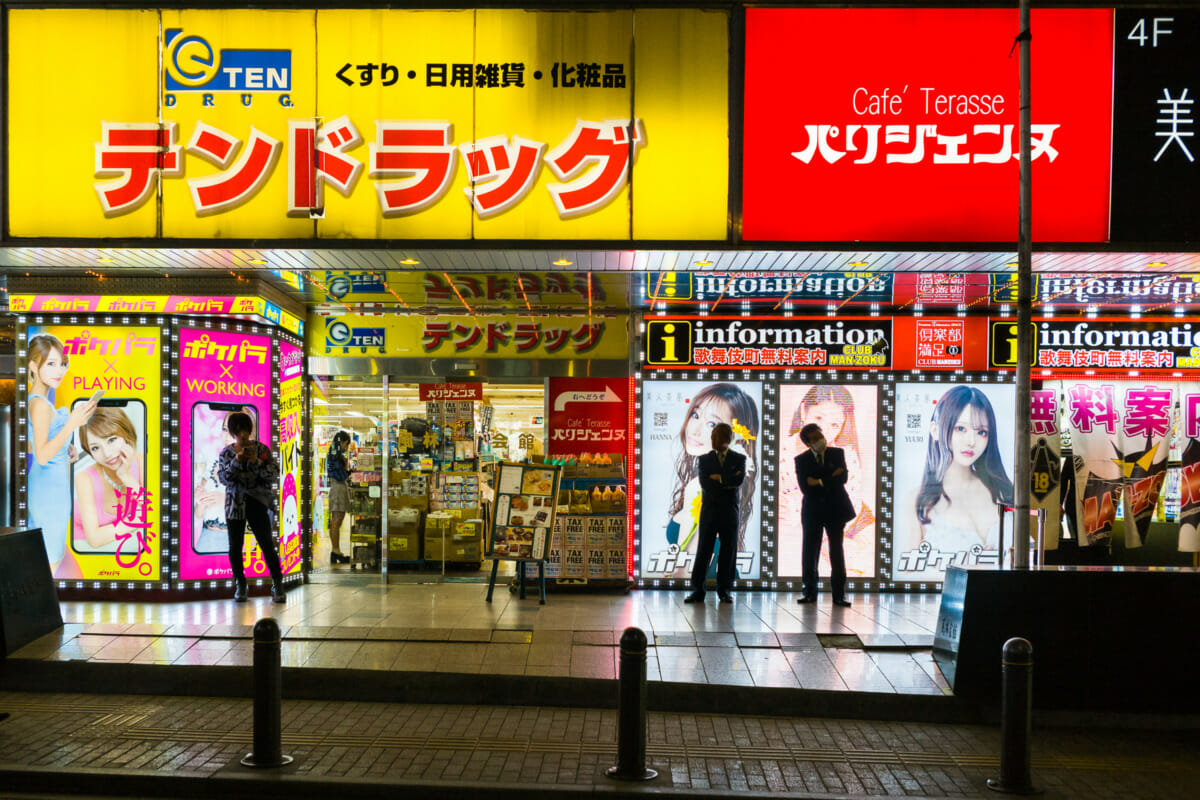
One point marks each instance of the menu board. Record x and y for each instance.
(523, 514)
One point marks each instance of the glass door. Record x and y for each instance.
(348, 494)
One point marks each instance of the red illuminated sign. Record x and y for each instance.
(902, 124)
(940, 343)
(450, 391)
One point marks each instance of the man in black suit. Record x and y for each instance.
(721, 474)
(821, 471)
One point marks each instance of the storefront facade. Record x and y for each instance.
(573, 225)
(434, 396)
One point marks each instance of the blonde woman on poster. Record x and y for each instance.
(50, 448)
(964, 479)
(712, 405)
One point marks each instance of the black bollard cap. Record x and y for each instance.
(1018, 651)
(266, 630)
(633, 640)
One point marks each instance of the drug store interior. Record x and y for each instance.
(426, 433)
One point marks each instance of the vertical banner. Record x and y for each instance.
(1189, 482)
(677, 422)
(1092, 418)
(847, 415)
(1121, 431)
(291, 376)
(221, 372)
(1045, 460)
(1145, 448)
(588, 415)
(93, 480)
(947, 511)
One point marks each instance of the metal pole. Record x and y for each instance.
(1024, 311)
(631, 720)
(268, 698)
(1016, 720)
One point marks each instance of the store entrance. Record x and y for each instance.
(418, 464)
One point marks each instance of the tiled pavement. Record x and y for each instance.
(365, 642)
(148, 746)
(881, 645)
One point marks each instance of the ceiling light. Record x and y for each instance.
(106, 259)
(257, 261)
(562, 262)
(409, 262)
(702, 264)
(1157, 264)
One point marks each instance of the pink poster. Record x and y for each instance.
(291, 375)
(221, 372)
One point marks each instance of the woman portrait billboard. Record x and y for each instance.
(847, 415)
(953, 475)
(677, 422)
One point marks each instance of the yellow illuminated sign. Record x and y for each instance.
(466, 336)
(485, 124)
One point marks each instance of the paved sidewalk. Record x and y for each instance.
(154, 746)
(880, 645)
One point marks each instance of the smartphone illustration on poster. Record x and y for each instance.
(110, 460)
(210, 435)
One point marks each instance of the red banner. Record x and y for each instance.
(937, 343)
(588, 415)
(902, 124)
(450, 391)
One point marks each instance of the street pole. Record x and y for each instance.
(1024, 311)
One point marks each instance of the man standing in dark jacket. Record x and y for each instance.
(821, 471)
(721, 474)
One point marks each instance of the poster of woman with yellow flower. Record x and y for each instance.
(677, 422)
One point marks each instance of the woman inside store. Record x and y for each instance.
(964, 478)
(50, 445)
(115, 475)
(832, 408)
(714, 404)
(337, 473)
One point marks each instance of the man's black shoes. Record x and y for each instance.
(694, 597)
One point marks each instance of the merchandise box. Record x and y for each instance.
(403, 547)
(617, 569)
(573, 564)
(597, 563)
(434, 550)
(614, 470)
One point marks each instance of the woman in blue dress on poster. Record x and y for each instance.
(50, 448)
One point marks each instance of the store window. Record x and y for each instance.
(418, 461)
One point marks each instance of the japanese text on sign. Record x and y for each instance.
(986, 144)
(524, 336)
(492, 75)
(411, 162)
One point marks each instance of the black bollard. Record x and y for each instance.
(631, 710)
(268, 698)
(1016, 720)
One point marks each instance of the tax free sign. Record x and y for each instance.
(391, 124)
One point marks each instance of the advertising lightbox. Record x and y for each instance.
(221, 372)
(93, 456)
(901, 125)
(677, 422)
